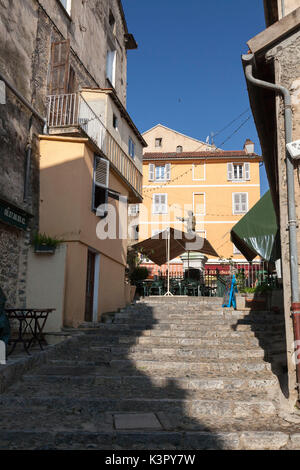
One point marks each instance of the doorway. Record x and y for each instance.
(92, 287)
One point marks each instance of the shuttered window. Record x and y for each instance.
(60, 66)
(100, 185)
(67, 5)
(168, 171)
(111, 66)
(247, 171)
(238, 171)
(240, 203)
(160, 204)
(131, 148)
(151, 171)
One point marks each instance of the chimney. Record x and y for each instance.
(249, 146)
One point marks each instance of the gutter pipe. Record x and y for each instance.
(25, 102)
(292, 221)
(282, 8)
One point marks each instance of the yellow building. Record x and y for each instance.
(182, 174)
(89, 169)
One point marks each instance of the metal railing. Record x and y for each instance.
(72, 110)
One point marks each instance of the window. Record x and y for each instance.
(67, 5)
(199, 203)
(60, 66)
(135, 232)
(160, 204)
(158, 142)
(179, 148)
(112, 21)
(239, 203)
(100, 185)
(111, 66)
(115, 122)
(199, 171)
(131, 148)
(238, 171)
(133, 209)
(159, 172)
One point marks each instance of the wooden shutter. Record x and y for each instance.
(111, 66)
(244, 201)
(60, 65)
(168, 171)
(247, 171)
(236, 203)
(230, 171)
(101, 172)
(163, 203)
(156, 203)
(151, 171)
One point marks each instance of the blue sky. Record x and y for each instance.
(187, 72)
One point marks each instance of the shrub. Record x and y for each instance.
(138, 274)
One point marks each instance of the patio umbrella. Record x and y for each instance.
(171, 243)
(257, 233)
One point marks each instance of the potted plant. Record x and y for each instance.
(134, 273)
(45, 244)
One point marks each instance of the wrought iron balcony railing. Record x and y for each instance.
(72, 110)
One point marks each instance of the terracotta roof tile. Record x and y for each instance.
(191, 155)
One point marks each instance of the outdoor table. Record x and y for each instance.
(31, 321)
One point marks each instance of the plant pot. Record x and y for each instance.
(257, 301)
(132, 293)
(240, 301)
(44, 249)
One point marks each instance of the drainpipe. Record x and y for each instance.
(292, 222)
(282, 8)
(25, 102)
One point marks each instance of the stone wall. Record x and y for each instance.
(286, 57)
(27, 29)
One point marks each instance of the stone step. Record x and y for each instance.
(149, 440)
(182, 299)
(229, 406)
(189, 326)
(204, 320)
(171, 353)
(138, 385)
(70, 365)
(226, 343)
(188, 367)
(170, 368)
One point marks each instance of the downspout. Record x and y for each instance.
(292, 222)
(282, 8)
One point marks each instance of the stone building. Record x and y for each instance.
(272, 69)
(53, 51)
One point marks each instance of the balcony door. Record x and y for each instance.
(92, 287)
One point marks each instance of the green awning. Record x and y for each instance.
(257, 233)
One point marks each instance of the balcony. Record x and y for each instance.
(69, 113)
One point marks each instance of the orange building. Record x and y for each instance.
(182, 174)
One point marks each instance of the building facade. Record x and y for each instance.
(67, 146)
(274, 58)
(182, 174)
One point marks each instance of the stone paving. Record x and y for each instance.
(179, 373)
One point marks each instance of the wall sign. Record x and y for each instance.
(12, 215)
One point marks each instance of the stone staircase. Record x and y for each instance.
(166, 373)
